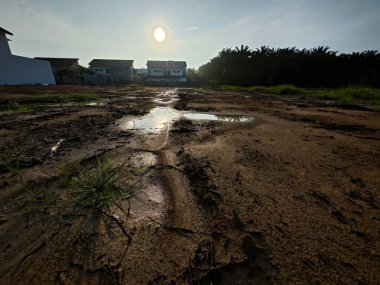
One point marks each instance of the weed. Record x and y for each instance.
(146, 107)
(351, 94)
(38, 197)
(68, 170)
(15, 108)
(11, 163)
(99, 187)
(280, 89)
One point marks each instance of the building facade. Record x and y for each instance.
(18, 70)
(66, 70)
(166, 71)
(111, 71)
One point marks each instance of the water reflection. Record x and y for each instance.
(160, 117)
(157, 118)
(213, 117)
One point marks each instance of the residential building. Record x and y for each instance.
(18, 70)
(111, 71)
(59, 63)
(66, 70)
(167, 71)
(140, 74)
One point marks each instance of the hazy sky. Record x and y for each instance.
(197, 30)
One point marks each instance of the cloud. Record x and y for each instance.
(193, 28)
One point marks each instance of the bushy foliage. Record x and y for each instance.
(317, 67)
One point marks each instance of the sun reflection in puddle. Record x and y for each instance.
(214, 117)
(160, 117)
(157, 119)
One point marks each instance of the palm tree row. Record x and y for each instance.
(316, 67)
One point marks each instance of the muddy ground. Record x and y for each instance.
(290, 197)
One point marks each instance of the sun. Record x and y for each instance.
(159, 34)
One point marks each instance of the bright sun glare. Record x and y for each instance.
(159, 34)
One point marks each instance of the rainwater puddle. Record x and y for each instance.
(95, 104)
(167, 97)
(165, 101)
(213, 117)
(160, 117)
(157, 119)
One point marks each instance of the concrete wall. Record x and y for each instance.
(17, 70)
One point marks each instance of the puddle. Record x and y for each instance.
(95, 104)
(160, 117)
(165, 101)
(167, 97)
(169, 93)
(213, 117)
(157, 119)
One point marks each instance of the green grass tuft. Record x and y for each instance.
(11, 163)
(99, 187)
(38, 199)
(16, 108)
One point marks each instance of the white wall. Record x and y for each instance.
(156, 72)
(17, 70)
(176, 72)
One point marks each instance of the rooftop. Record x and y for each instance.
(59, 62)
(166, 64)
(111, 63)
(5, 31)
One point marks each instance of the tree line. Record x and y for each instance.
(316, 67)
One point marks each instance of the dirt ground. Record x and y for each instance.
(290, 197)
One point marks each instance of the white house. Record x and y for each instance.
(114, 70)
(17, 70)
(167, 71)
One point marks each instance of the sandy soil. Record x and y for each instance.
(291, 197)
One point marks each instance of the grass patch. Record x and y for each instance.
(146, 107)
(61, 98)
(363, 95)
(99, 187)
(65, 97)
(16, 108)
(11, 163)
(38, 199)
(351, 95)
(279, 89)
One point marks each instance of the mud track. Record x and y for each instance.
(291, 197)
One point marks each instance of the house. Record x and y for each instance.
(167, 71)
(66, 70)
(112, 70)
(17, 70)
(140, 74)
(58, 63)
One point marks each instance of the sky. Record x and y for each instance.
(196, 29)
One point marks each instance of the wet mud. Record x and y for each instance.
(226, 188)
